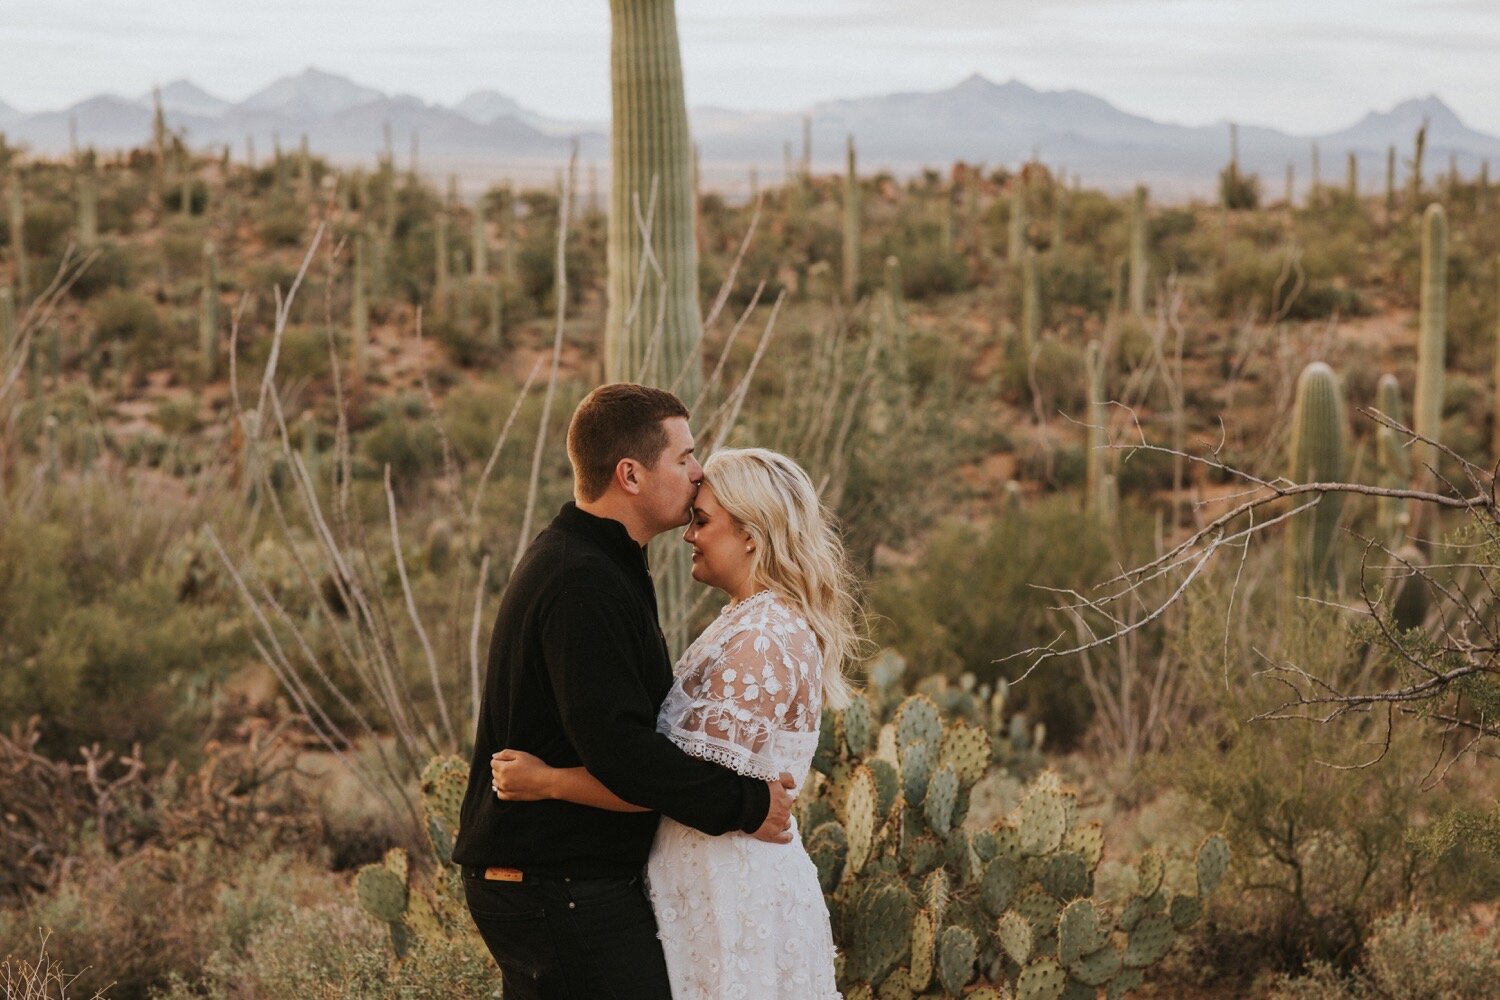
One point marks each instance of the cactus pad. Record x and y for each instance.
(829, 849)
(1186, 911)
(926, 854)
(887, 788)
(917, 719)
(935, 892)
(860, 815)
(1079, 932)
(1065, 875)
(916, 770)
(1212, 863)
(382, 893)
(1096, 968)
(1043, 979)
(956, 951)
(942, 793)
(967, 748)
(1148, 941)
(924, 930)
(1043, 821)
(1014, 935)
(859, 723)
(1087, 840)
(998, 885)
(1127, 980)
(1149, 871)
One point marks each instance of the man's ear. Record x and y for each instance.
(627, 476)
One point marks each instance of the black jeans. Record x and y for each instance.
(570, 939)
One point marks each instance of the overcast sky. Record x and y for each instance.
(1301, 65)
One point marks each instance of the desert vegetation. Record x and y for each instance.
(1177, 524)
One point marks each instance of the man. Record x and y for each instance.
(578, 668)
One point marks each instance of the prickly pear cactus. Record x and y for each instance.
(426, 904)
(921, 903)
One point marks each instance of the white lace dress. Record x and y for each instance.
(740, 918)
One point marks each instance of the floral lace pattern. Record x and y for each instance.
(737, 917)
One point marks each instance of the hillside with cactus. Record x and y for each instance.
(1181, 680)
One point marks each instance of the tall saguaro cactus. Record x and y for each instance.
(17, 207)
(653, 326)
(1431, 341)
(208, 316)
(851, 227)
(1138, 264)
(1317, 457)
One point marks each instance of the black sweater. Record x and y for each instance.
(578, 668)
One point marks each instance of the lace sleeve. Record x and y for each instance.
(757, 683)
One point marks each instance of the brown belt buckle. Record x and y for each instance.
(504, 875)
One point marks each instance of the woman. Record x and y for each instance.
(739, 917)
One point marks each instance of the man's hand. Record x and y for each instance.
(777, 829)
(517, 776)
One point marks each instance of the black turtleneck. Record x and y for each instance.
(578, 668)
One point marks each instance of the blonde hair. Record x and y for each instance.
(798, 552)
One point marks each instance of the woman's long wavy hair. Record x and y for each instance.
(798, 551)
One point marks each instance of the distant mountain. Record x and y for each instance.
(185, 97)
(310, 93)
(490, 135)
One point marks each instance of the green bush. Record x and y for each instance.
(283, 223)
(112, 267)
(977, 595)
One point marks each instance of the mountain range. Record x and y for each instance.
(488, 136)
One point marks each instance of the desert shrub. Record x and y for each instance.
(403, 437)
(1056, 371)
(120, 197)
(304, 353)
(95, 637)
(283, 223)
(112, 267)
(197, 196)
(1239, 191)
(49, 226)
(129, 317)
(1320, 857)
(182, 247)
(1413, 956)
(976, 596)
(1071, 278)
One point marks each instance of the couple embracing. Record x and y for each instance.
(627, 828)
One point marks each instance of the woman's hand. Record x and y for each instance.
(520, 777)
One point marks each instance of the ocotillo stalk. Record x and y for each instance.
(1096, 434)
(481, 250)
(1391, 459)
(1317, 457)
(1431, 343)
(1138, 262)
(1031, 309)
(18, 234)
(440, 267)
(208, 314)
(88, 208)
(651, 191)
(851, 227)
(361, 308)
(1015, 247)
(1416, 166)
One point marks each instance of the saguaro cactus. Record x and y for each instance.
(361, 309)
(1031, 306)
(208, 316)
(1138, 262)
(480, 258)
(651, 192)
(851, 227)
(440, 266)
(1317, 456)
(17, 207)
(1391, 458)
(88, 204)
(1096, 439)
(1016, 244)
(1431, 340)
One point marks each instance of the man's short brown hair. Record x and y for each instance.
(617, 421)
